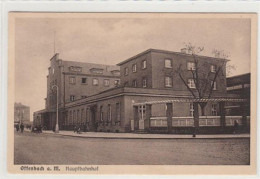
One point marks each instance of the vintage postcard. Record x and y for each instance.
(132, 93)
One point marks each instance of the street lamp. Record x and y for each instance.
(57, 113)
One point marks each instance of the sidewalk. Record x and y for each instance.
(145, 136)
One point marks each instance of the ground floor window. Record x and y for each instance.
(109, 113)
(191, 109)
(117, 122)
(141, 112)
(74, 116)
(214, 110)
(87, 119)
(144, 82)
(101, 113)
(82, 116)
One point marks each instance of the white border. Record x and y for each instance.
(102, 6)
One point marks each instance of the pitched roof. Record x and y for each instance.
(165, 51)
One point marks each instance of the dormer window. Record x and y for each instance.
(96, 70)
(75, 69)
(115, 72)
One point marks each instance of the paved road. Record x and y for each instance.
(33, 148)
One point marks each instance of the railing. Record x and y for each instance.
(230, 120)
(158, 121)
(182, 121)
(189, 121)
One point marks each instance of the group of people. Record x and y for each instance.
(77, 129)
(19, 127)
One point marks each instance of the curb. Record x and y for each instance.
(92, 137)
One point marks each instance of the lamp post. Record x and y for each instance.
(57, 113)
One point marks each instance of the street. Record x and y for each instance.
(31, 148)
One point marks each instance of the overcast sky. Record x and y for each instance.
(112, 40)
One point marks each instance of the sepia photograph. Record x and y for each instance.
(99, 91)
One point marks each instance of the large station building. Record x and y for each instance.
(142, 93)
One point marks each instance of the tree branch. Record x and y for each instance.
(179, 73)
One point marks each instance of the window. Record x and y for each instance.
(191, 109)
(191, 83)
(134, 68)
(109, 113)
(53, 70)
(83, 80)
(144, 64)
(72, 98)
(96, 70)
(72, 80)
(141, 112)
(126, 84)
(117, 113)
(213, 68)
(87, 119)
(214, 110)
(78, 116)
(134, 83)
(75, 69)
(168, 63)
(106, 82)
(214, 85)
(82, 116)
(117, 82)
(101, 113)
(191, 66)
(71, 118)
(74, 116)
(144, 82)
(126, 71)
(168, 81)
(115, 72)
(95, 82)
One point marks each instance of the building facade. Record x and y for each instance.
(151, 97)
(239, 85)
(156, 69)
(69, 81)
(21, 113)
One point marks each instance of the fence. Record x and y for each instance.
(189, 121)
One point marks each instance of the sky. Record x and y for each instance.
(110, 40)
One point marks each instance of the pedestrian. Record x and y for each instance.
(75, 128)
(236, 127)
(85, 128)
(17, 127)
(22, 127)
(79, 130)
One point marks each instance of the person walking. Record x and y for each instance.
(22, 127)
(236, 127)
(17, 127)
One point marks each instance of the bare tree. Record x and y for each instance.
(204, 75)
